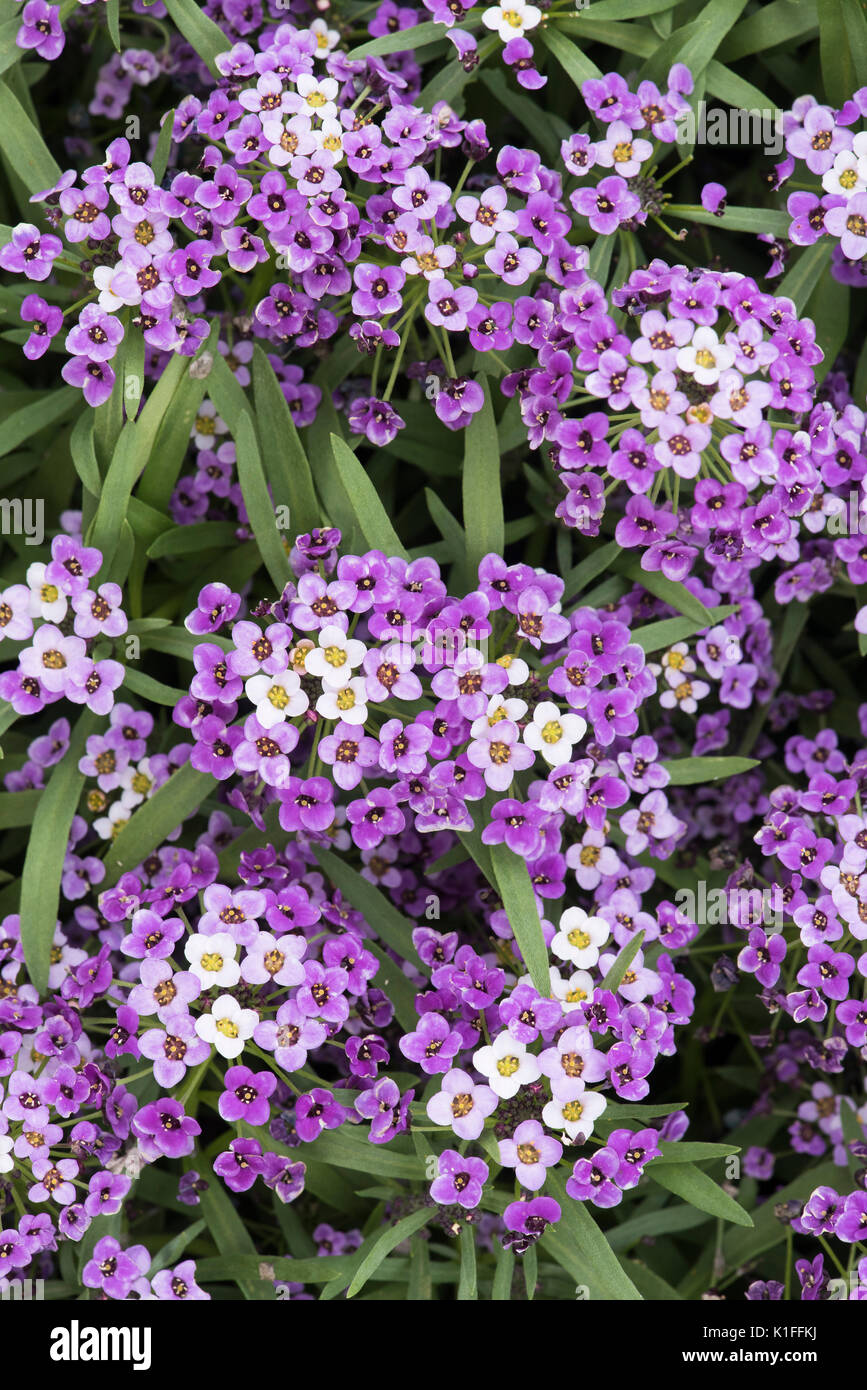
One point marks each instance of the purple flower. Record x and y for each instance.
(246, 1095)
(530, 1151)
(460, 1181)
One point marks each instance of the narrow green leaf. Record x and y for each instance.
(395, 929)
(282, 451)
(482, 491)
(579, 1247)
(260, 508)
(160, 160)
(112, 19)
(685, 772)
(151, 822)
(171, 1252)
(404, 41)
(206, 37)
(23, 145)
(519, 901)
(232, 1239)
(384, 1244)
(810, 267)
(149, 689)
(46, 851)
(468, 1284)
(18, 808)
(697, 1188)
(624, 959)
(48, 408)
(127, 463)
(654, 637)
(676, 595)
(569, 55)
(370, 514)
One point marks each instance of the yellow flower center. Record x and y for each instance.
(507, 1066)
(552, 732)
(227, 1028)
(579, 938)
(212, 961)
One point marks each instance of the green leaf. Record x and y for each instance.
(395, 929)
(696, 43)
(768, 27)
(171, 1252)
(620, 966)
(842, 48)
(810, 267)
(10, 53)
(186, 540)
(468, 1283)
(655, 637)
(127, 463)
(501, 1291)
(46, 851)
(47, 408)
(384, 1244)
(698, 1189)
(568, 55)
(742, 1246)
(676, 595)
(694, 1153)
(588, 569)
(828, 307)
(735, 219)
(206, 37)
(160, 160)
(112, 19)
(404, 41)
(151, 822)
(369, 513)
(18, 808)
(260, 508)
(685, 772)
(579, 1247)
(23, 145)
(519, 901)
(232, 1238)
(482, 491)
(149, 689)
(166, 422)
(282, 451)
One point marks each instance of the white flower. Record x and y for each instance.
(276, 697)
(846, 177)
(137, 783)
(316, 96)
(348, 702)
(112, 295)
(498, 709)
(335, 657)
(207, 425)
(573, 1108)
(515, 667)
(7, 1163)
(287, 141)
(227, 1027)
(326, 39)
(511, 18)
(329, 136)
(212, 960)
(684, 695)
(112, 824)
(579, 938)
(507, 1065)
(46, 600)
(677, 663)
(554, 734)
(705, 357)
(574, 992)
